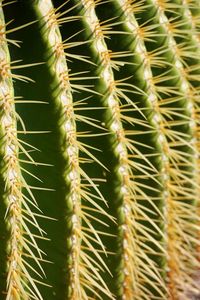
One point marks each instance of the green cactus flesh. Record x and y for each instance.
(99, 151)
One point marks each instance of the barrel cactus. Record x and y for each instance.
(100, 144)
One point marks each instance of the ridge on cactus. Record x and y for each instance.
(99, 149)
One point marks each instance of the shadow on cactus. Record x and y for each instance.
(99, 169)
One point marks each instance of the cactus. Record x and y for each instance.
(99, 169)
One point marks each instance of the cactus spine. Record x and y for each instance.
(123, 78)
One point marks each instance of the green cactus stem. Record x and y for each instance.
(99, 148)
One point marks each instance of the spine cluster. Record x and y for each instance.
(125, 150)
(81, 263)
(18, 215)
